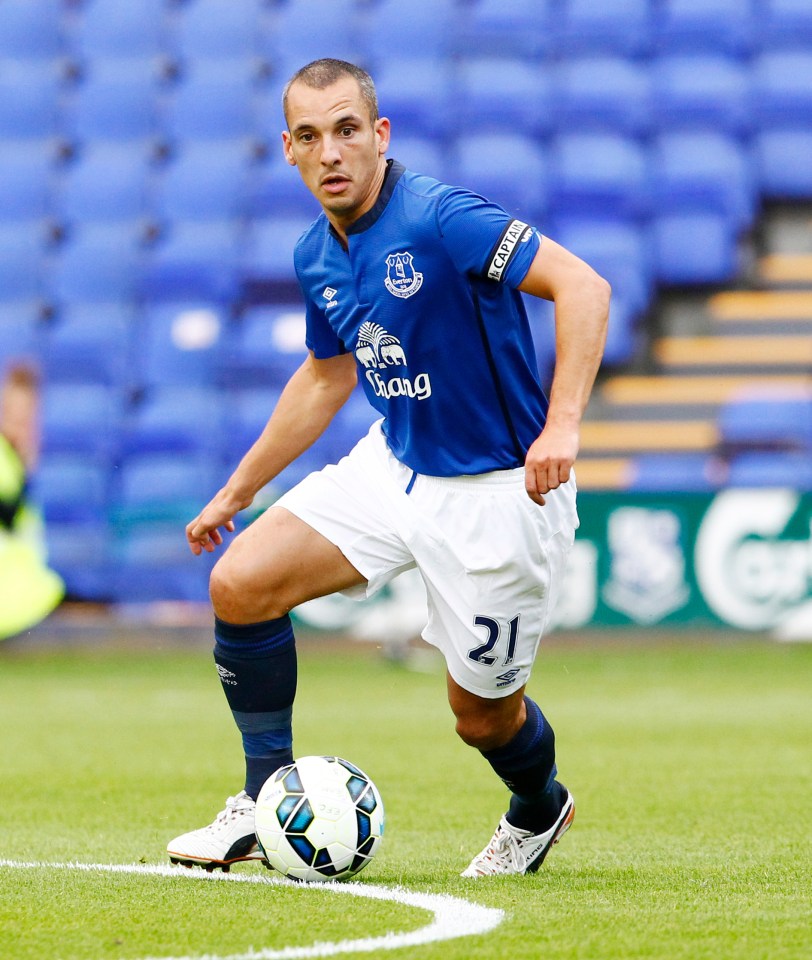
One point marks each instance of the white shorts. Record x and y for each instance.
(490, 558)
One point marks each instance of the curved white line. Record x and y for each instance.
(453, 916)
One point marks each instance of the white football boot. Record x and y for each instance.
(512, 850)
(229, 839)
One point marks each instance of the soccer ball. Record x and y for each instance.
(320, 818)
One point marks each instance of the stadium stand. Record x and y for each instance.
(147, 221)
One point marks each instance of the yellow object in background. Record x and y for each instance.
(29, 590)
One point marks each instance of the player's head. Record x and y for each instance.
(324, 73)
(335, 136)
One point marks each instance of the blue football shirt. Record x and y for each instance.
(425, 297)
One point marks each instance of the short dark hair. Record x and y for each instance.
(319, 74)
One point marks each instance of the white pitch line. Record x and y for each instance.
(453, 917)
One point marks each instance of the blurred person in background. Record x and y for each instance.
(29, 591)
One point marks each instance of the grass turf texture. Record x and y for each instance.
(689, 763)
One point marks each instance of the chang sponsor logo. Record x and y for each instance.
(378, 350)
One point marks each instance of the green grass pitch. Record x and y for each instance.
(689, 762)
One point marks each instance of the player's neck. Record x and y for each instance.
(341, 223)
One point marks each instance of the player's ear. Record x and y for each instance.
(287, 146)
(382, 134)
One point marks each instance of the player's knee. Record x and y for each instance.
(484, 731)
(234, 597)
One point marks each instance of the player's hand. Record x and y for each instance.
(203, 533)
(549, 460)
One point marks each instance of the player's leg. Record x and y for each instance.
(516, 739)
(277, 563)
(488, 624)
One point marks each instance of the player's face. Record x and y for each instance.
(336, 146)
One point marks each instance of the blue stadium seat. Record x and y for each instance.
(89, 343)
(615, 252)
(712, 25)
(705, 172)
(620, 252)
(422, 155)
(774, 469)
(505, 93)
(29, 99)
(182, 344)
(702, 92)
(767, 419)
(248, 411)
(80, 553)
(204, 181)
(20, 332)
(784, 24)
(269, 346)
(676, 473)
(151, 562)
(310, 29)
(782, 97)
(416, 95)
(417, 30)
(213, 100)
(602, 93)
(217, 29)
(782, 89)
(81, 418)
(694, 247)
(521, 28)
(193, 259)
(269, 248)
(164, 484)
(98, 262)
(541, 314)
(180, 420)
(109, 28)
(611, 26)
(31, 29)
(276, 189)
(107, 183)
(116, 101)
(72, 487)
(25, 174)
(509, 169)
(352, 422)
(599, 175)
(784, 170)
(22, 260)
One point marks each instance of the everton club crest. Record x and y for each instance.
(402, 280)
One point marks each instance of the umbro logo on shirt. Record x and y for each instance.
(329, 296)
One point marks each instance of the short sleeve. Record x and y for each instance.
(483, 239)
(319, 335)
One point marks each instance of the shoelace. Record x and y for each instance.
(502, 851)
(235, 807)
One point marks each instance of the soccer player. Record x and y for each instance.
(413, 285)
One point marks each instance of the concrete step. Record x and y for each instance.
(758, 306)
(699, 390)
(627, 437)
(730, 353)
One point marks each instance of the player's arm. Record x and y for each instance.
(581, 299)
(310, 400)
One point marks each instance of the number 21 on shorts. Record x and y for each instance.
(484, 653)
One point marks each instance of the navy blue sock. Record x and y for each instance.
(257, 667)
(526, 764)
